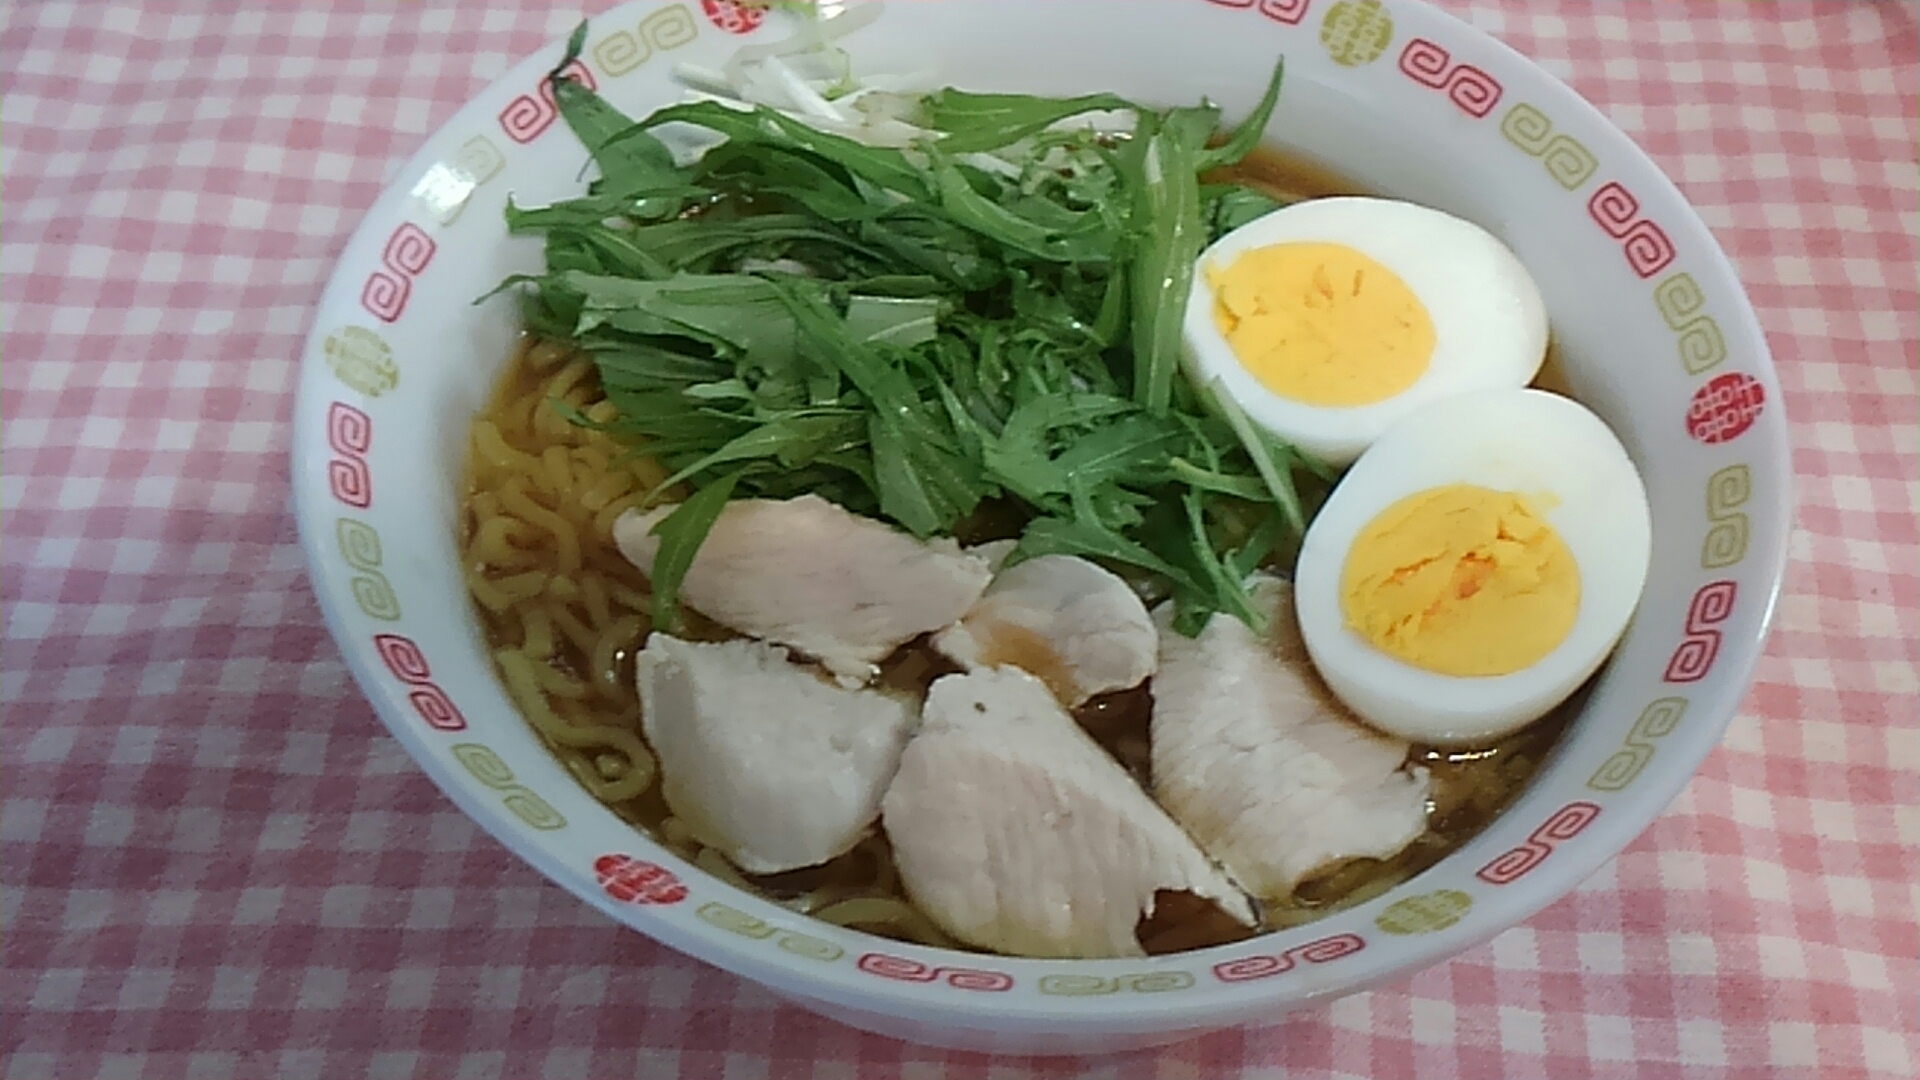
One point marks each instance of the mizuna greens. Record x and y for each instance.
(985, 324)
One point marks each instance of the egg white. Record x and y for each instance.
(1489, 322)
(1577, 474)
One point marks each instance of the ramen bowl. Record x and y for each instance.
(1652, 331)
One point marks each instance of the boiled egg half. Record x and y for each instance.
(1475, 566)
(1327, 320)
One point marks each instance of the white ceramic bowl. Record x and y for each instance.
(1654, 332)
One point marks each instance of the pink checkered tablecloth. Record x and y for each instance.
(215, 863)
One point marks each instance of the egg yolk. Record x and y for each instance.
(1321, 323)
(1461, 580)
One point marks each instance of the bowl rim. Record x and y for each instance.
(842, 984)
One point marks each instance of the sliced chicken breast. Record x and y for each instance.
(844, 589)
(1014, 831)
(1072, 623)
(1258, 760)
(995, 552)
(764, 759)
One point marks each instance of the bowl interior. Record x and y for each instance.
(1651, 328)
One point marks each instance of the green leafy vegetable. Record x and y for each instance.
(1163, 266)
(596, 122)
(681, 533)
(1265, 456)
(990, 121)
(973, 335)
(1247, 135)
(1083, 536)
(1226, 207)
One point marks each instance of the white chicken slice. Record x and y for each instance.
(843, 589)
(995, 552)
(1267, 770)
(762, 758)
(1074, 624)
(1014, 831)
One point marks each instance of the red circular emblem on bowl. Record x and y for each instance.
(1725, 407)
(734, 16)
(632, 881)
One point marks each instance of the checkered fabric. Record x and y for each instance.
(215, 863)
